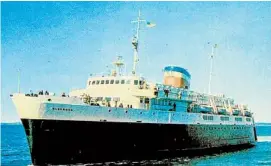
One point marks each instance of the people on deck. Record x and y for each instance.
(174, 107)
(31, 93)
(166, 91)
(156, 92)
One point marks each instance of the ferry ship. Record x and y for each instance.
(122, 116)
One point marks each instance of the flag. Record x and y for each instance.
(215, 46)
(150, 24)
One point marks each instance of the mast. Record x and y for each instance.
(211, 67)
(135, 42)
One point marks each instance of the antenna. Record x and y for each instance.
(211, 67)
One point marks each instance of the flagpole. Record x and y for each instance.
(211, 68)
(138, 25)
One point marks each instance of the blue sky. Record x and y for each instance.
(58, 44)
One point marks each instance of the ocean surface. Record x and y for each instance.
(15, 152)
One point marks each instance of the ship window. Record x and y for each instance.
(93, 82)
(141, 99)
(238, 119)
(122, 81)
(111, 81)
(102, 82)
(140, 82)
(224, 118)
(248, 119)
(205, 117)
(128, 81)
(135, 82)
(89, 83)
(97, 82)
(107, 82)
(210, 117)
(147, 100)
(117, 81)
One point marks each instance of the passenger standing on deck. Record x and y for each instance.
(156, 92)
(31, 93)
(174, 107)
(63, 94)
(166, 91)
(180, 95)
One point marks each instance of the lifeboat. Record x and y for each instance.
(202, 109)
(222, 111)
(236, 112)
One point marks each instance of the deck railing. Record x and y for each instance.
(186, 94)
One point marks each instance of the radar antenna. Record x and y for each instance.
(119, 65)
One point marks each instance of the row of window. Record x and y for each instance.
(224, 118)
(238, 119)
(97, 82)
(62, 109)
(223, 128)
(205, 117)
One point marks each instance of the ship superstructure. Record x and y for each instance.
(117, 116)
